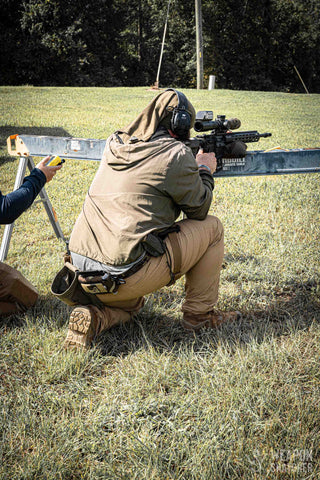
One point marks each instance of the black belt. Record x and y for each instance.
(136, 266)
(99, 281)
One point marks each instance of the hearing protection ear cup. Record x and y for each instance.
(181, 118)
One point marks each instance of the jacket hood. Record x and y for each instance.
(126, 147)
(121, 156)
(147, 122)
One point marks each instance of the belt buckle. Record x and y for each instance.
(94, 288)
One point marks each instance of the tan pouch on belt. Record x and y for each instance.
(66, 287)
(17, 294)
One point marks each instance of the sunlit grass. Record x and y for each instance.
(150, 401)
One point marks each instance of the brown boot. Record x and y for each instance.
(208, 320)
(86, 323)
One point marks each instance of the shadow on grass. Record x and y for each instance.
(241, 258)
(291, 309)
(48, 312)
(294, 307)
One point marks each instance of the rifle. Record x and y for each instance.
(220, 139)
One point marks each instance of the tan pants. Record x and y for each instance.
(17, 294)
(202, 249)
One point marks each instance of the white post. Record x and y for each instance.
(212, 81)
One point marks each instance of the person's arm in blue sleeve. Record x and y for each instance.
(16, 202)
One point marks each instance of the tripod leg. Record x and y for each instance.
(8, 228)
(49, 208)
(24, 162)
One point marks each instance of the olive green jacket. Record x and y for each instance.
(139, 187)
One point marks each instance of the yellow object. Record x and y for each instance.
(55, 161)
(276, 148)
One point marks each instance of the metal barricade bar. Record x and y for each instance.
(273, 162)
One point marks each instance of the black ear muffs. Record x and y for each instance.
(181, 118)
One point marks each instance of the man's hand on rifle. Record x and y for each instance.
(206, 161)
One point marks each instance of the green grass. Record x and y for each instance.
(150, 401)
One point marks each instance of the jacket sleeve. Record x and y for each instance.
(16, 202)
(191, 191)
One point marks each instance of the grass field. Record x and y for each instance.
(150, 401)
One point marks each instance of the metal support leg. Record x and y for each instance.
(49, 208)
(24, 162)
(8, 228)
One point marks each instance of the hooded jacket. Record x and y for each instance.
(142, 185)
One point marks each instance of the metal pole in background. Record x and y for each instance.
(9, 228)
(300, 78)
(199, 45)
(162, 47)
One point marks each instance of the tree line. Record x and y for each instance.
(247, 44)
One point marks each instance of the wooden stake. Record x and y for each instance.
(301, 79)
(199, 45)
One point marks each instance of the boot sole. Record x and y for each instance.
(81, 330)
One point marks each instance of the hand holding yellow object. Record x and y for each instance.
(48, 167)
(55, 160)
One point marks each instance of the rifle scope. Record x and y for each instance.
(220, 124)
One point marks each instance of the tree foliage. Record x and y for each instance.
(248, 44)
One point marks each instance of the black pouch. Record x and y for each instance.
(153, 243)
(66, 287)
